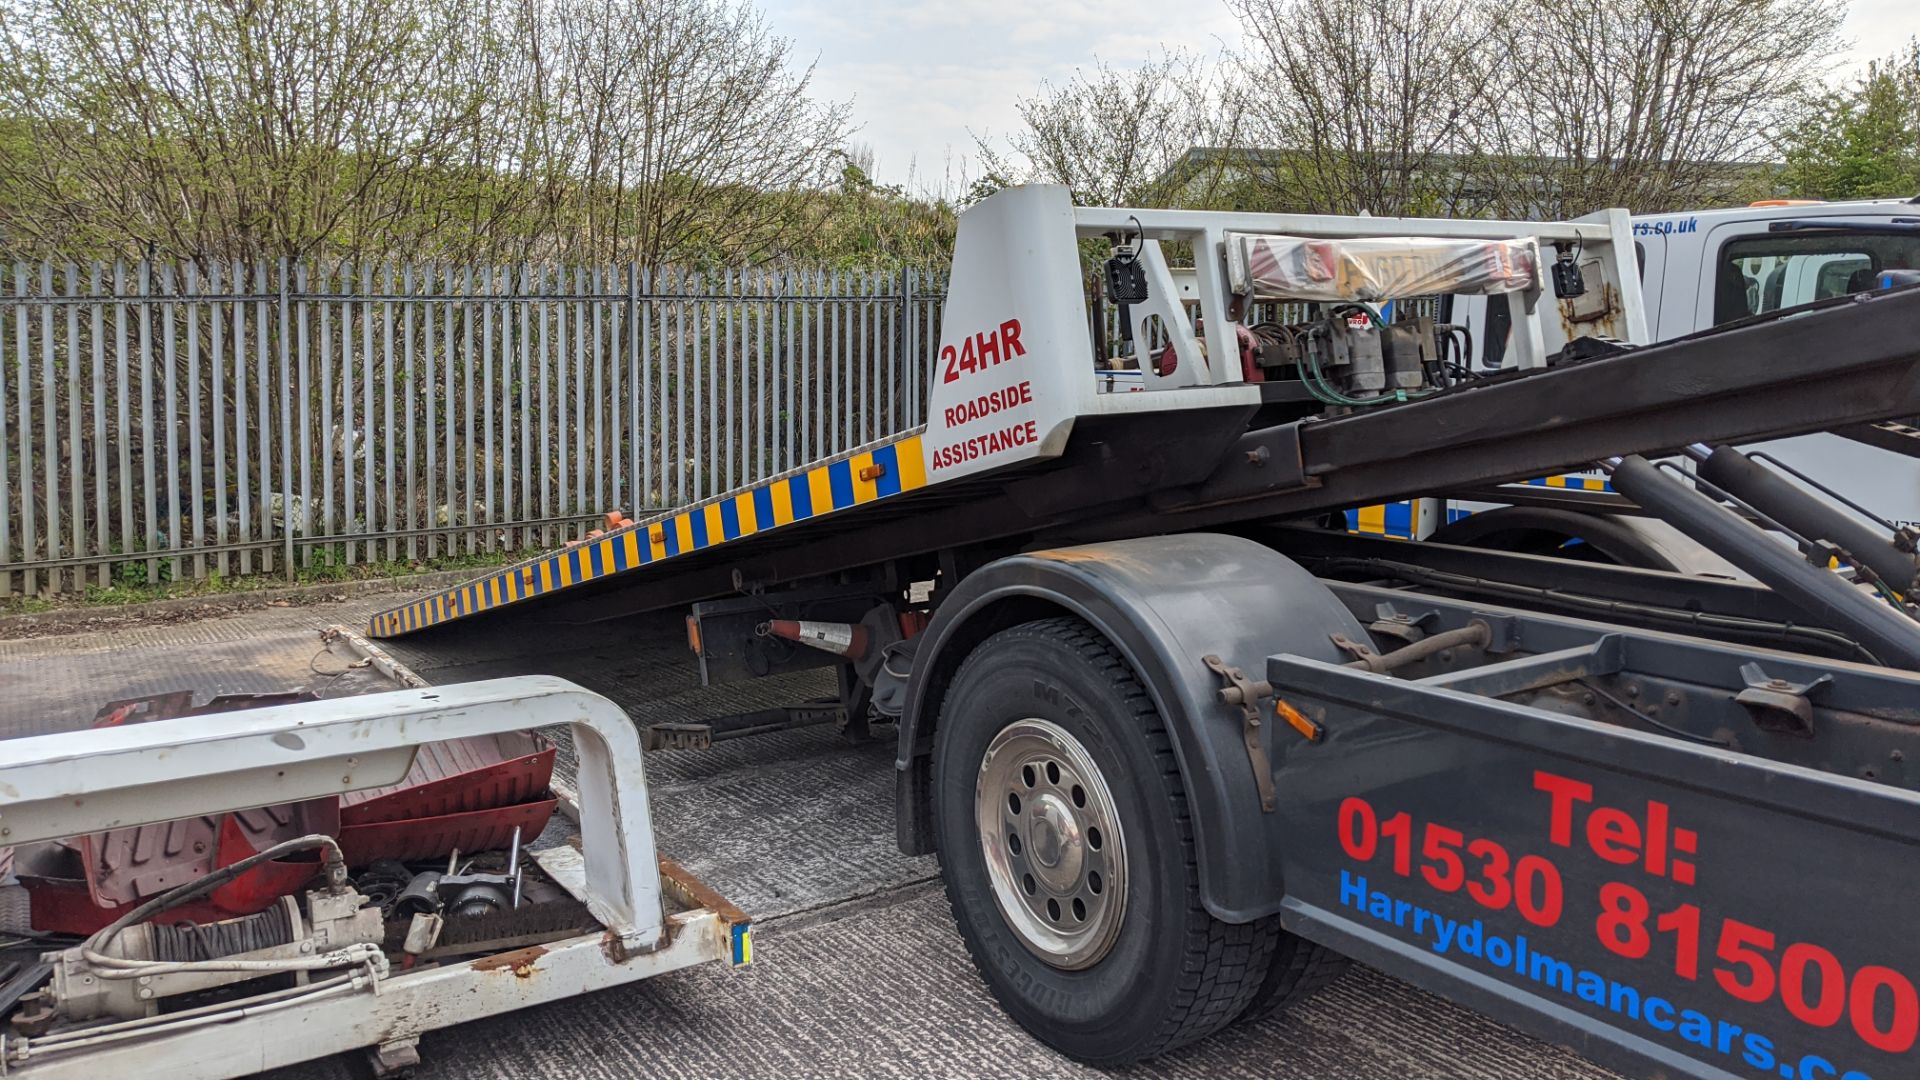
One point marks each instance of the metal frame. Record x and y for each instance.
(1851, 362)
(60, 785)
(89, 781)
(1125, 476)
(1119, 465)
(393, 1018)
(1207, 231)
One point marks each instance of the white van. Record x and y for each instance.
(1698, 270)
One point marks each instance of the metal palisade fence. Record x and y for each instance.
(164, 422)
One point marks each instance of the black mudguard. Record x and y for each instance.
(1165, 602)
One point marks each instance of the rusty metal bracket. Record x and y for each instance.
(1394, 623)
(1362, 654)
(1246, 694)
(1777, 704)
(1477, 634)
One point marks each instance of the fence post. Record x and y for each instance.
(913, 351)
(6, 477)
(286, 419)
(631, 494)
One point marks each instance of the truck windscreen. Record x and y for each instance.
(1758, 274)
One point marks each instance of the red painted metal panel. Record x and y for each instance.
(435, 837)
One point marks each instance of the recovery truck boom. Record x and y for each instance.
(1181, 746)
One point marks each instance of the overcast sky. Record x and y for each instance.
(922, 76)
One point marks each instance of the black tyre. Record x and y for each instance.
(1067, 849)
(1297, 970)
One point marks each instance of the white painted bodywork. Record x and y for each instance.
(1015, 368)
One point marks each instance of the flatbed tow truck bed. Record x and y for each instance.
(1133, 473)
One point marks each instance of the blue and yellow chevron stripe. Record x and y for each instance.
(1572, 480)
(1399, 519)
(861, 477)
(1383, 519)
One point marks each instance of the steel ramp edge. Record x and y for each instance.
(864, 475)
(408, 1004)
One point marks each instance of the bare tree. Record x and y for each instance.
(579, 129)
(1648, 104)
(675, 128)
(1145, 136)
(243, 129)
(1357, 104)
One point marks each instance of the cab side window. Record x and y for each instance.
(1758, 274)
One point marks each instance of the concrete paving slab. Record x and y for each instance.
(886, 990)
(859, 969)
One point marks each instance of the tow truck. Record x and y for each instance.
(1184, 745)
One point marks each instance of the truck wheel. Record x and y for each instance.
(1067, 850)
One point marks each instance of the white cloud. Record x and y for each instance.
(1879, 28)
(924, 76)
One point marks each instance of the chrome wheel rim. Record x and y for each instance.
(1052, 841)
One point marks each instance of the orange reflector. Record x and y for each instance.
(693, 634)
(873, 472)
(1299, 723)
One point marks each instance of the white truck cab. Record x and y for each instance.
(1704, 268)
(1701, 269)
